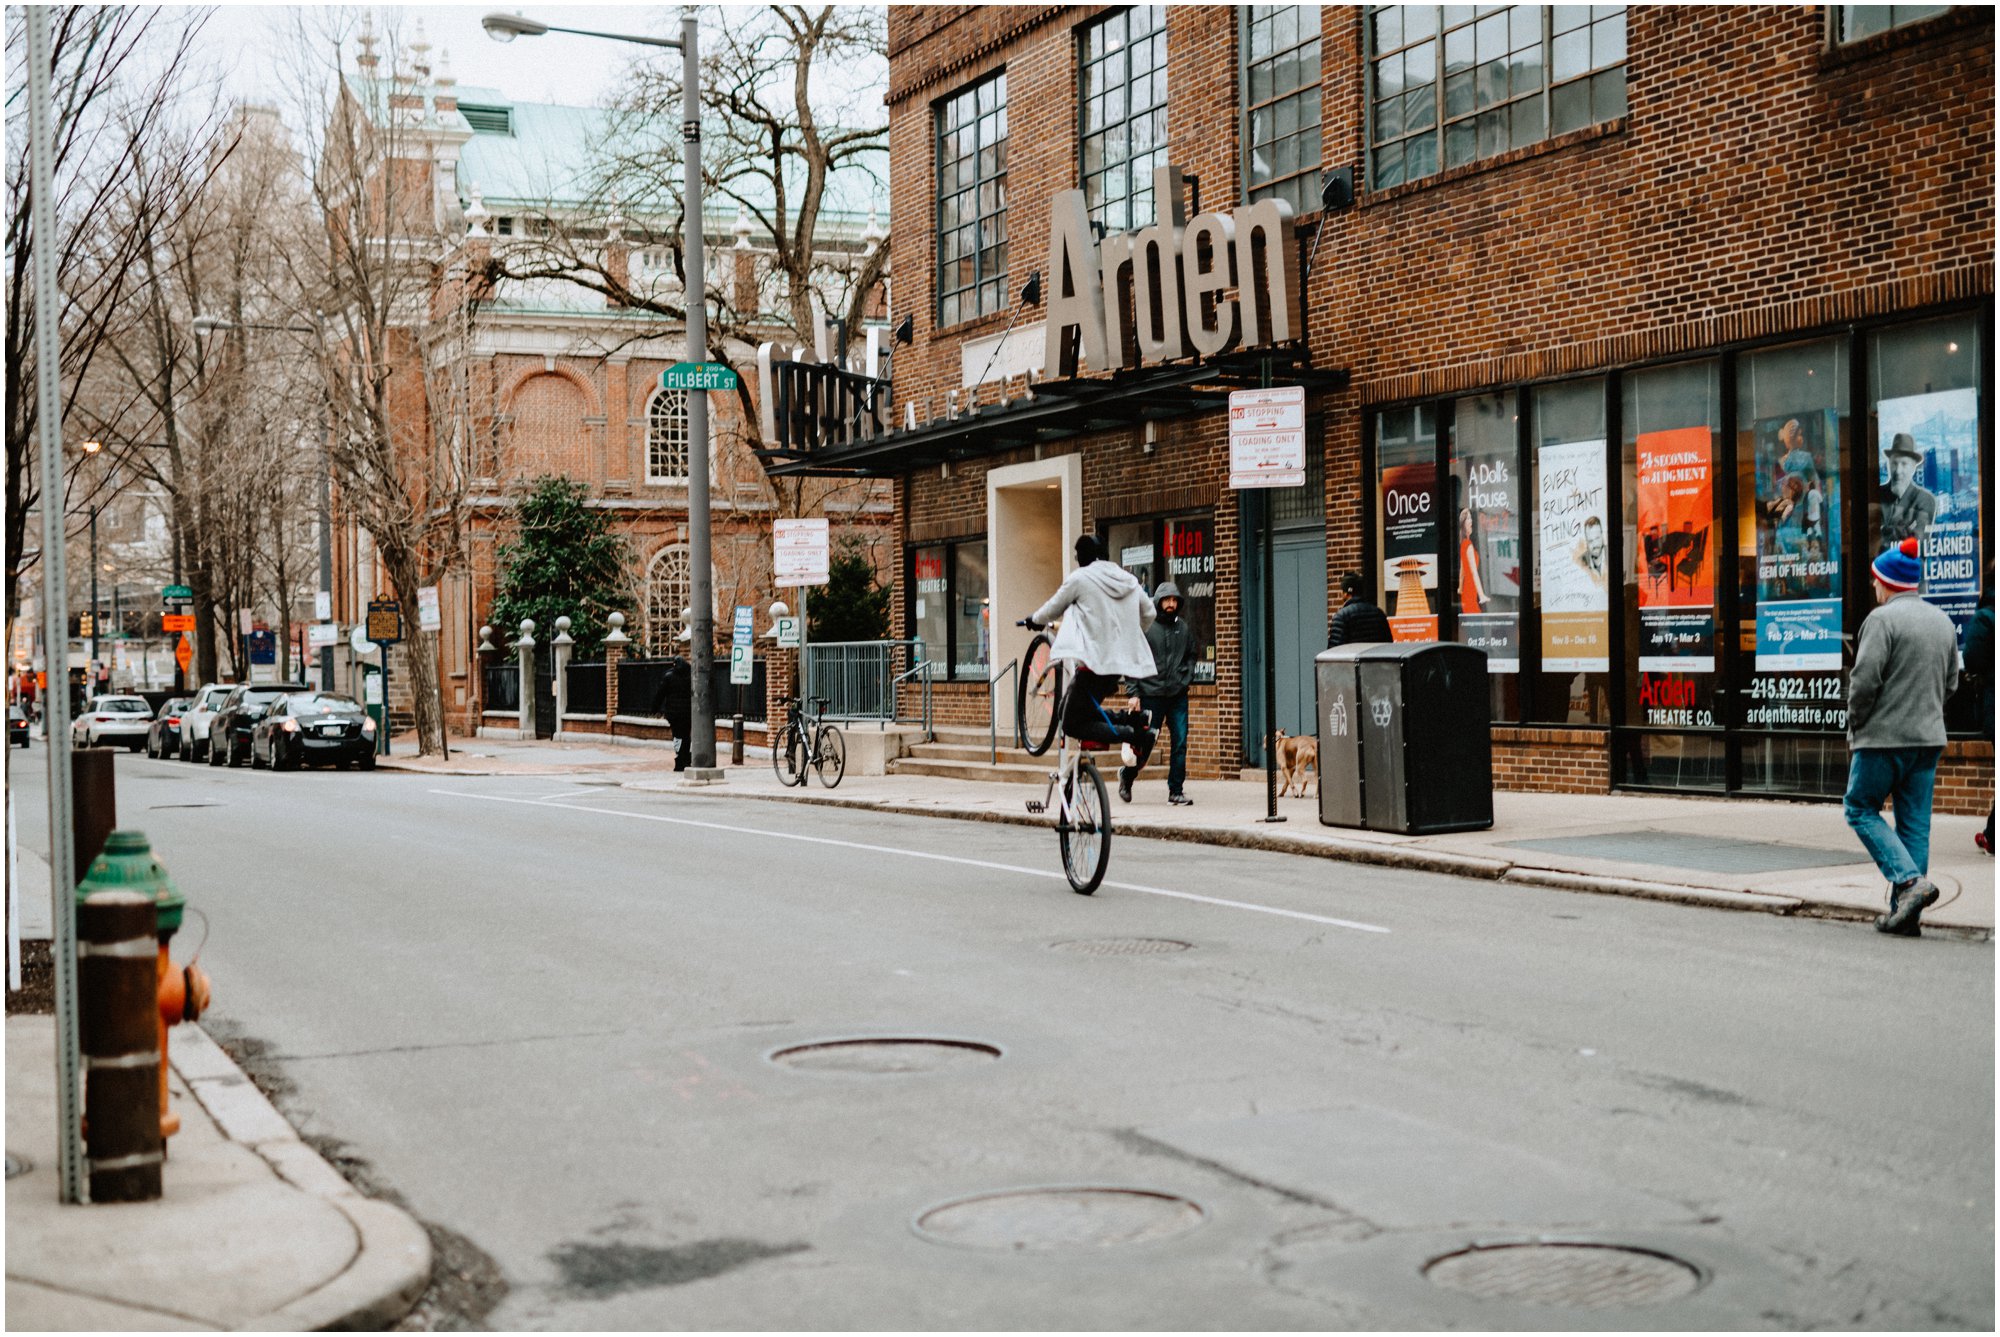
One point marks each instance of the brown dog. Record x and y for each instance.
(1295, 757)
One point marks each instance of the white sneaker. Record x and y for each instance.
(1127, 757)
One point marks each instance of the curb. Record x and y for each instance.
(391, 1266)
(1353, 851)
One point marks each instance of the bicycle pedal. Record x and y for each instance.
(1037, 807)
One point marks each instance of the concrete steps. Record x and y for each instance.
(963, 754)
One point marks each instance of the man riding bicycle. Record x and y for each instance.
(1105, 614)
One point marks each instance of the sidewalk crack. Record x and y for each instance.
(446, 1044)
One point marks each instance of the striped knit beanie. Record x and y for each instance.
(1899, 568)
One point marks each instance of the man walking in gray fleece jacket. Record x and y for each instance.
(1904, 669)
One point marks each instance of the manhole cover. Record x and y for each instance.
(1122, 946)
(1045, 1219)
(885, 1055)
(16, 1165)
(1573, 1276)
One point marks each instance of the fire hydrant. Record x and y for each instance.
(127, 864)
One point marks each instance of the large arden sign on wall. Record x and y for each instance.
(1575, 558)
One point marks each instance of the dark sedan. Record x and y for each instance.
(17, 727)
(163, 738)
(229, 731)
(312, 729)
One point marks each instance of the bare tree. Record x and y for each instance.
(115, 116)
(395, 295)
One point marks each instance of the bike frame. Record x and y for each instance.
(1069, 756)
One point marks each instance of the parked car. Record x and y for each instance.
(229, 730)
(311, 728)
(113, 719)
(163, 739)
(17, 727)
(197, 717)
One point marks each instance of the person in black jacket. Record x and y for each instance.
(1359, 620)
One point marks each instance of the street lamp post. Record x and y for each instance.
(208, 324)
(701, 649)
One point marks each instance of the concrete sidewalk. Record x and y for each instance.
(255, 1230)
(489, 756)
(1750, 854)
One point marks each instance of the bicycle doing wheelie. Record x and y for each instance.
(1075, 789)
(808, 744)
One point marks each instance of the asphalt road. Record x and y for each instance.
(545, 1015)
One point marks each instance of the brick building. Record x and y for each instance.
(1636, 335)
(560, 379)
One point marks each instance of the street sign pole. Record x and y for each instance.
(55, 608)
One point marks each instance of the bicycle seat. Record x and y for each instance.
(1091, 745)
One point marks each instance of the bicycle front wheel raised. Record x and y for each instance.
(1038, 695)
(1086, 834)
(788, 756)
(831, 761)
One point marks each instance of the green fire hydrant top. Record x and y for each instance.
(127, 864)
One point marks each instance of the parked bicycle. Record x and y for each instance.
(1082, 807)
(807, 744)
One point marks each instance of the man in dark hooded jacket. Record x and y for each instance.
(1164, 695)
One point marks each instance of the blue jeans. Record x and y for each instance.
(1907, 773)
(1170, 713)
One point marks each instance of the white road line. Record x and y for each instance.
(917, 854)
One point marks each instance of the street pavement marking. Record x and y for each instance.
(918, 854)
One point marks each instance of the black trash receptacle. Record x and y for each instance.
(1336, 675)
(1426, 747)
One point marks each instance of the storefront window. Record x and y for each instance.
(1672, 450)
(971, 629)
(1486, 540)
(1180, 549)
(1791, 433)
(1924, 425)
(929, 614)
(1406, 514)
(1573, 554)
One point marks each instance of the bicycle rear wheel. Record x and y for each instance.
(788, 755)
(1086, 836)
(831, 761)
(1038, 696)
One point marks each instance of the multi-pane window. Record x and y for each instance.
(972, 201)
(1124, 115)
(669, 587)
(1859, 21)
(1452, 84)
(1281, 73)
(667, 437)
(950, 612)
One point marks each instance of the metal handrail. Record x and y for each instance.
(918, 672)
(1012, 670)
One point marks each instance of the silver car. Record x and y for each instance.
(113, 719)
(195, 720)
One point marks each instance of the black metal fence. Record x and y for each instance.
(503, 687)
(660, 689)
(585, 689)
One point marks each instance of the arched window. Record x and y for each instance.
(668, 591)
(667, 437)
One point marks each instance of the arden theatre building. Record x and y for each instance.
(1628, 338)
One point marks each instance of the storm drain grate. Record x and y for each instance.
(1121, 946)
(885, 1056)
(1045, 1220)
(16, 1165)
(1572, 1276)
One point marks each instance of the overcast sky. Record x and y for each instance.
(249, 42)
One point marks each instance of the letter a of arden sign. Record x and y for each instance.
(1267, 437)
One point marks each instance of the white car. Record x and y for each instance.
(113, 719)
(195, 720)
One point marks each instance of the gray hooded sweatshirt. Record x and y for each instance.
(1105, 615)
(1172, 644)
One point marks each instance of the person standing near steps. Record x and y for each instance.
(1904, 669)
(1164, 694)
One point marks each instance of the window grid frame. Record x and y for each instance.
(658, 407)
(953, 117)
(1840, 14)
(1137, 183)
(662, 640)
(1437, 131)
(1280, 187)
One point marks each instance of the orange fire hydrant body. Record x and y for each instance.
(184, 996)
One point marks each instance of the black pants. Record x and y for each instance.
(1085, 718)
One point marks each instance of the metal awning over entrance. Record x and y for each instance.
(1057, 411)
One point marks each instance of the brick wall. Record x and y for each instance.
(1561, 761)
(1965, 779)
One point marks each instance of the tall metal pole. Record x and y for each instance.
(55, 607)
(701, 624)
(96, 633)
(326, 535)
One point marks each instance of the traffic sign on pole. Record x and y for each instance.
(700, 376)
(799, 552)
